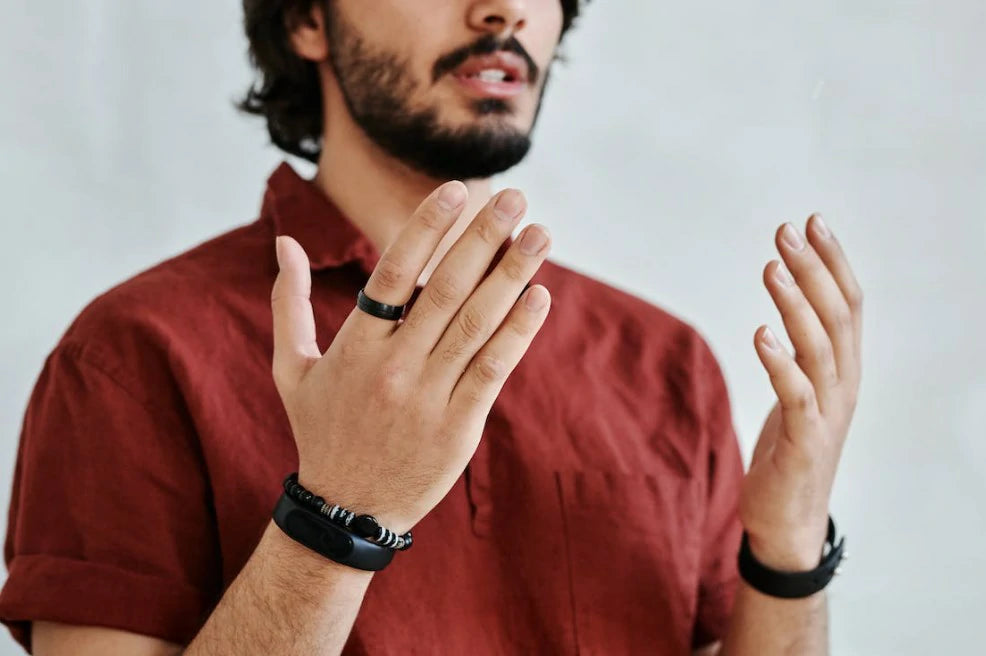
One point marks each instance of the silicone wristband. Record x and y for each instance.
(790, 585)
(322, 536)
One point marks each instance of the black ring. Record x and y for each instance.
(378, 309)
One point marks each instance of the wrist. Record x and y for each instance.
(794, 550)
(358, 500)
(298, 564)
(788, 575)
(785, 557)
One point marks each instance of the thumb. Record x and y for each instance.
(295, 348)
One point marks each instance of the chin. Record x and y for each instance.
(486, 115)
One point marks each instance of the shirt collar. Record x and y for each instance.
(301, 210)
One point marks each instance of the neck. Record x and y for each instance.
(377, 193)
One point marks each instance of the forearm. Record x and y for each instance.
(772, 626)
(287, 599)
(766, 626)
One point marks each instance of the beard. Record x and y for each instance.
(377, 87)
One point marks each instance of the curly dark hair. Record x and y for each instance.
(287, 91)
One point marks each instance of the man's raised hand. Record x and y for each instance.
(387, 418)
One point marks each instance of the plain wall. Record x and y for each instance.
(671, 146)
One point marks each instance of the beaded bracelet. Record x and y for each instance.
(365, 526)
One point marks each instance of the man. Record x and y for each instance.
(580, 492)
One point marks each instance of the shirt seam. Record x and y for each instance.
(80, 353)
(568, 563)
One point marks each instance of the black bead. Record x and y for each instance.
(318, 502)
(291, 478)
(365, 526)
(307, 496)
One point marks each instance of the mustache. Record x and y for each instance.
(486, 45)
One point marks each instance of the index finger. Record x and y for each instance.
(394, 278)
(295, 346)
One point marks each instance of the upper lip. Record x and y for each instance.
(513, 65)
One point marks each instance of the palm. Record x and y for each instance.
(761, 481)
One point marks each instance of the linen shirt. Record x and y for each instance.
(597, 516)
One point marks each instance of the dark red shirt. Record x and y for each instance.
(598, 516)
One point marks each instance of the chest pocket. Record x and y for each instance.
(632, 546)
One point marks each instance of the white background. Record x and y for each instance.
(673, 144)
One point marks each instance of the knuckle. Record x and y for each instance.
(471, 322)
(856, 298)
(389, 273)
(348, 351)
(390, 382)
(473, 395)
(432, 217)
(442, 292)
(815, 352)
(520, 327)
(843, 321)
(822, 350)
(453, 353)
(487, 232)
(804, 399)
(513, 269)
(489, 369)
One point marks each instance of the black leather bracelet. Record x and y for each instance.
(791, 585)
(307, 527)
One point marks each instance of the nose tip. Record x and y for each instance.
(500, 22)
(505, 16)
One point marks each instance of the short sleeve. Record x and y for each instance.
(110, 522)
(722, 530)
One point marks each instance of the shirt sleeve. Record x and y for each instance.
(719, 576)
(110, 521)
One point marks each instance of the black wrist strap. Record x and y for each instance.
(791, 585)
(322, 536)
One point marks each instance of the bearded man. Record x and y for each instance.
(369, 340)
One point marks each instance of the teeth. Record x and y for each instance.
(492, 75)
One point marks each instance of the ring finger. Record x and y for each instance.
(395, 276)
(457, 275)
(486, 309)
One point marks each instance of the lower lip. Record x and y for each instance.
(490, 89)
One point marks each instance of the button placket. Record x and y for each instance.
(478, 485)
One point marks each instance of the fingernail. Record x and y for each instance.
(532, 241)
(792, 238)
(509, 205)
(820, 227)
(451, 195)
(536, 298)
(782, 275)
(769, 340)
(278, 249)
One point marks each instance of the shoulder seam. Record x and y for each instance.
(80, 352)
